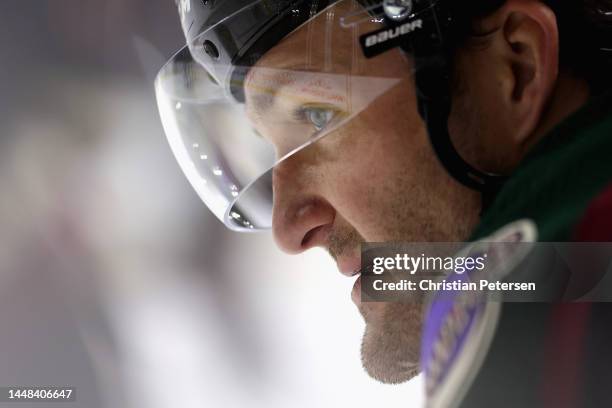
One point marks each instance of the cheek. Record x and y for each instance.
(372, 169)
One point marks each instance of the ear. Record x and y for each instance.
(531, 47)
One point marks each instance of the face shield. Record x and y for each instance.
(259, 82)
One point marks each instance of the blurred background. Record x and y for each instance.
(114, 278)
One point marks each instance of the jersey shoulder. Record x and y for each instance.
(595, 224)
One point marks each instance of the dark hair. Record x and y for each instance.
(585, 31)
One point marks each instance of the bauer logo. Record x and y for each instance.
(379, 41)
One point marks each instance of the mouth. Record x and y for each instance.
(356, 292)
(351, 267)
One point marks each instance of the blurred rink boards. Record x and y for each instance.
(114, 278)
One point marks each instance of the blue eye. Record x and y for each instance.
(319, 117)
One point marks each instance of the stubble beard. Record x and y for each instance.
(390, 348)
(390, 344)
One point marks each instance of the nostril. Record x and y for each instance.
(315, 237)
(308, 237)
(300, 223)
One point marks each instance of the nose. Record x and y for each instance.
(302, 218)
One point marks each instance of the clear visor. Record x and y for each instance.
(313, 82)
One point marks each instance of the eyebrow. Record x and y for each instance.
(263, 102)
(265, 99)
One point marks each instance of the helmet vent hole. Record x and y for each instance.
(210, 49)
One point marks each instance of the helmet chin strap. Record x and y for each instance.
(431, 54)
(434, 106)
(435, 114)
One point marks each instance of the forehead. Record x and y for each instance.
(323, 44)
(322, 61)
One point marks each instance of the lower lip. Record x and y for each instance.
(356, 292)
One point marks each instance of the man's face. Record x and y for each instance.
(372, 178)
